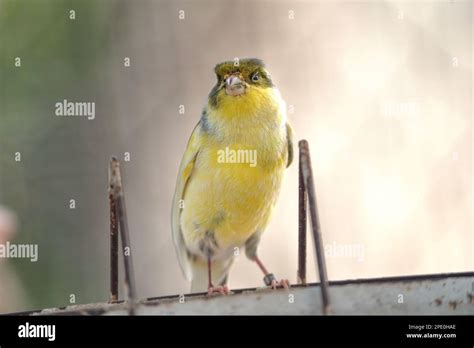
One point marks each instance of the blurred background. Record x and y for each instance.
(382, 90)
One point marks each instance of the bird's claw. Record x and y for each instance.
(271, 281)
(222, 290)
(283, 283)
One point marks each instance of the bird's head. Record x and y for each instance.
(240, 81)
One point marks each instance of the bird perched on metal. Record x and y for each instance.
(230, 175)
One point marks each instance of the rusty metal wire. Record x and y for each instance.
(114, 293)
(302, 224)
(306, 176)
(119, 212)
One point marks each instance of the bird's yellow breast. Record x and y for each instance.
(237, 173)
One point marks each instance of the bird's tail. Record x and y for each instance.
(219, 272)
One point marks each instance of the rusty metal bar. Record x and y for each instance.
(113, 244)
(121, 213)
(315, 225)
(302, 223)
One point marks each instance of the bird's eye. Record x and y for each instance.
(256, 77)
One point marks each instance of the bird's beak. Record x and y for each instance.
(234, 85)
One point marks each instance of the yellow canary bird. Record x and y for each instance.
(230, 175)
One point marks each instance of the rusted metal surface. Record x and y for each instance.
(307, 172)
(437, 294)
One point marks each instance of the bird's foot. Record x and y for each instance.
(271, 281)
(284, 283)
(222, 290)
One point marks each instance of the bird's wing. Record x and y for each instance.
(185, 171)
(289, 138)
